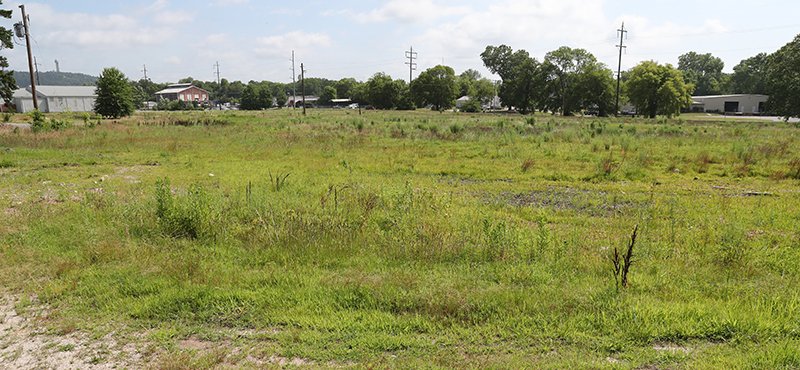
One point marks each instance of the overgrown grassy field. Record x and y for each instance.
(412, 239)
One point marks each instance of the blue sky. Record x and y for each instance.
(253, 39)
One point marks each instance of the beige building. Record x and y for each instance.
(743, 104)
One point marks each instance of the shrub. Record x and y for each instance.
(188, 216)
(38, 121)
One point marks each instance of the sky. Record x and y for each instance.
(254, 39)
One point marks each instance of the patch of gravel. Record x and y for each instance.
(25, 344)
(584, 201)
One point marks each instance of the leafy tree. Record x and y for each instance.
(521, 74)
(404, 100)
(249, 99)
(749, 76)
(114, 94)
(597, 86)
(783, 80)
(702, 70)
(7, 82)
(345, 88)
(436, 87)
(328, 94)
(657, 89)
(264, 97)
(280, 98)
(569, 73)
(381, 92)
(466, 82)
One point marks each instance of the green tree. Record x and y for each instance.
(749, 76)
(569, 72)
(114, 94)
(280, 98)
(596, 84)
(345, 88)
(656, 89)
(783, 80)
(381, 92)
(522, 76)
(704, 71)
(404, 100)
(264, 97)
(249, 99)
(436, 87)
(7, 82)
(327, 96)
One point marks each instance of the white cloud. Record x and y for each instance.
(539, 26)
(407, 11)
(173, 17)
(230, 2)
(282, 45)
(174, 60)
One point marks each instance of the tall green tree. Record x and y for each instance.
(327, 96)
(521, 74)
(704, 71)
(114, 94)
(249, 99)
(783, 80)
(7, 82)
(435, 87)
(381, 92)
(570, 73)
(750, 75)
(345, 88)
(656, 89)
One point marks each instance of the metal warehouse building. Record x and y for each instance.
(744, 104)
(53, 99)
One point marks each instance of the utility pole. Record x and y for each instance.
(144, 70)
(623, 34)
(303, 86)
(219, 81)
(412, 66)
(58, 68)
(294, 84)
(30, 56)
(36, 66)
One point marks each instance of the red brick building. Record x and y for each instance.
(184, 92)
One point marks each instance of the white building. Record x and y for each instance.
(53, 99)
(744, 104)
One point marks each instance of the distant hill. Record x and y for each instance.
(55, 79)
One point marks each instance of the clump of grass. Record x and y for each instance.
(456, 128)
(527, 165)
(187, 216)
(622, 264)
(278, 181)
(703, 162)
(794, 169)
(7, 163)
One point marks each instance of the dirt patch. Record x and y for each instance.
(25, 344)
(671, 347)
(584, 201)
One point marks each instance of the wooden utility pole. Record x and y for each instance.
(621, 46)
(294, 84)
(303, 86)
(30, 56)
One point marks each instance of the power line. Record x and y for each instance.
(144, 70)
(622, 35)
(219, 81)
(412, 66)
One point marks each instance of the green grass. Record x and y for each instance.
(414, 239)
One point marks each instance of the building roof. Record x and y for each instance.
(728, 96)
(341, 100)
(66, 91)
(177, 89)
(22, 94)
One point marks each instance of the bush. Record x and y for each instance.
(187, 216)
(472, 106)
